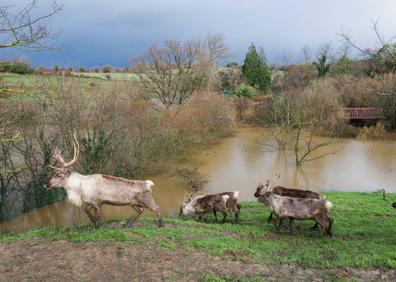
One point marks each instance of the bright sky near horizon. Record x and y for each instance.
(98, 32)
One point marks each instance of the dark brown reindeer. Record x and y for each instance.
(201, 205)
(92, 191)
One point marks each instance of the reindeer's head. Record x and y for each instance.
(264, 188)
(261, 188)
(63, 172)
(187, 207)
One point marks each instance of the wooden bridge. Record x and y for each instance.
(364, 113)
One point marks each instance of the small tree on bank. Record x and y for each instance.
(255, 69)
(321, 64)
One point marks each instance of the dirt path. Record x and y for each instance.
(43, 260)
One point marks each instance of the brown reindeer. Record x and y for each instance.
(285, 207)
(283, 191)
(92, 191)
(223, 202)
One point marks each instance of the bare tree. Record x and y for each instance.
(307, 54)
(22, 29)
(384, 51)
(286, 58)
(174, 72)
(297, 117)
(216, 47)
(343, 59)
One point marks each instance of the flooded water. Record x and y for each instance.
(239, 163)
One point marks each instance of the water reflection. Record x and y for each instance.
(240, 163)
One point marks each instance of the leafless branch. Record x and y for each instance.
(22, 29)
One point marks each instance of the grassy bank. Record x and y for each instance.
(364, 228)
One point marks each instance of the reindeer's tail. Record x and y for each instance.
(328, 204)
(149, 184)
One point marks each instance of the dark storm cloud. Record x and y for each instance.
(97, 32)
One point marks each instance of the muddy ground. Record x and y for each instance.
(45, 260)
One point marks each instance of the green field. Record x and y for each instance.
(364, 235)
(14, 87)
(105, 76)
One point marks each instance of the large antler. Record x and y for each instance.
(273, 181)
(76, 153)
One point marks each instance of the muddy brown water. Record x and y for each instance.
(239, 163)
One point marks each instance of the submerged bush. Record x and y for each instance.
(376, 132)
(339, 129)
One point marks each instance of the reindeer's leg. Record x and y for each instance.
(315, 226)
(237, 213)
(322, 224)
(98, 213)
(87, 207)
(291, 221)
(278, 227)
(200, 217)
(329, 229)
(269, 220)
(224, 217)
(215, 214)
(160, 223)
(139, 211)
(153, 207)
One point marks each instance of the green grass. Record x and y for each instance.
(16, 87)
(364, 235)
(113, 75)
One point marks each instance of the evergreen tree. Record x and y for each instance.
(255, 69)
(321, 65)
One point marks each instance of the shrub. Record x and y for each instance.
(106, 69)
(5, 66)
(21, 67)
(373, 132)
(339, 129)
(246, 91)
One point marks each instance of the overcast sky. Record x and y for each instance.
(98, 32)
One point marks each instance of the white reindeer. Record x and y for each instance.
(92, 191)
